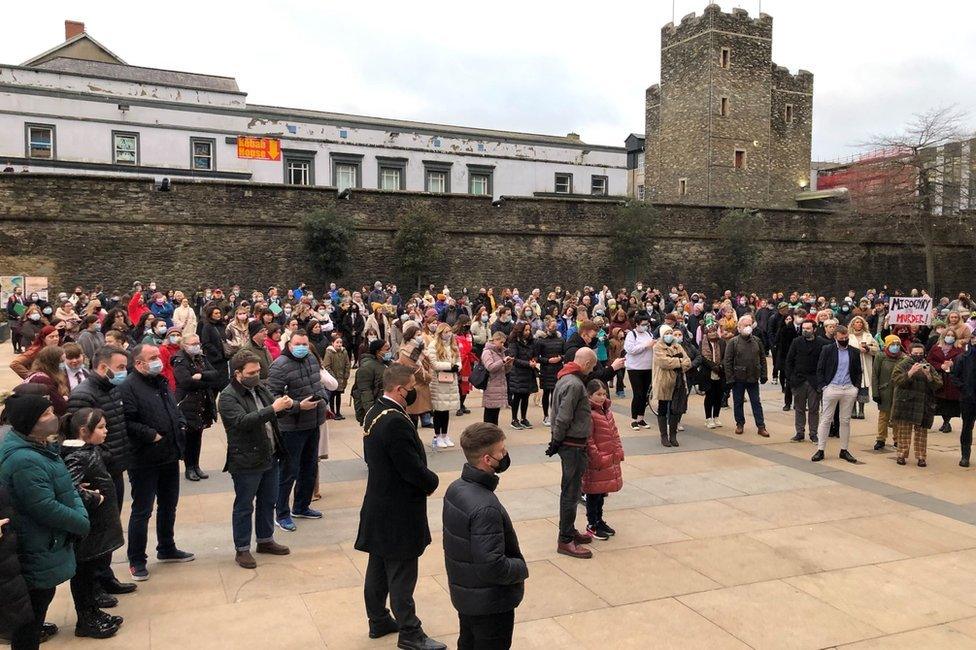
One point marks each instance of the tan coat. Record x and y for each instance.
(669, 360)
(413, 358)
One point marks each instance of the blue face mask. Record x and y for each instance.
(894, 349)
(387, 356)
(155, 367)
(117, 378)
(668, 339)
(299, 351)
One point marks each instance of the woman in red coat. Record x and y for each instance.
(605, 453)
(941, 357)
(462, 331)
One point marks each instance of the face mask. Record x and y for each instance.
(505, 319)
(484, 319)
(668, 339)
(175, 340)
(808, 335)
(48, 310)
(446, 338)
(894, 349)
(642, 329)
(842, 343)
(116, 378)
(747, 330)
(161, 330)
(387, 356)
(950, 340)
(918, 357)
(35, 317)
(251, 381)
(410, 397)
(404, 318)
(155, 367)
(62, 366)
(418, 340)
(299, 351)
(194, 350)
(503, 463)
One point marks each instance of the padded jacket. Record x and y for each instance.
(15, 606)
(150, 409)
(86, 465)
(97, 392)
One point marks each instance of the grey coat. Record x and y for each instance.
(570, 412)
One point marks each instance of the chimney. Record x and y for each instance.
(72, 28)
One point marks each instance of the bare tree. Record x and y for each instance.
(910, 173)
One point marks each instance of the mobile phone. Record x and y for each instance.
(315, 398)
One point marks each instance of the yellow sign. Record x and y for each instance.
(258, 148)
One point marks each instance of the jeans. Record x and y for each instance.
(254, 491)
(739, 389)
(396, 579)
(574, 462)
(594, 508)
(302, 447)
(486, 632)
(640, 383)
(158, 485)
(28, 635)
(841, 398)
(806, 408)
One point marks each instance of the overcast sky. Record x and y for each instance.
(542, 67)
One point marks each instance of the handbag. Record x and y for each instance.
(479, 376)
(445, 377)
(863, 395)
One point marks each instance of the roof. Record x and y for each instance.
(71, 41)
(146, 75)
(817, 195)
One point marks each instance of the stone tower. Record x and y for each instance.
(726, 126)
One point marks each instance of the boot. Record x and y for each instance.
(964, 461)
(91, 625)
(191, 474)
(673, 432)
(573, 550)
(200, 473)
(662, 425)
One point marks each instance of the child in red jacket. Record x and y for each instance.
(605, 453)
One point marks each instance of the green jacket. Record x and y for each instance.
(50, 514)
(915, 395)
(369, 384)
(882, 389)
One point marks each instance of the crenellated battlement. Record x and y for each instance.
(783, 79)
(713, 18)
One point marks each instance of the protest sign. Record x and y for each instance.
(903, 310)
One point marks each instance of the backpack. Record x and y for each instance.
(479, 376)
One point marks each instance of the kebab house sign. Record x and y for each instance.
(909, 310)
(258, 148)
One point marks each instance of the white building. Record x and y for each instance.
(79, 108)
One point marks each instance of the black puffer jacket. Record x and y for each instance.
(212, 341)
(15, 607)
(85, 464)
(196, 397)
(298, 379)
(521, 380)
(546, 347)
(97, 392)
(486, 571)
(151, 409)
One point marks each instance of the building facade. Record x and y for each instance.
(726, 126)
(80, 108)
(634, 144)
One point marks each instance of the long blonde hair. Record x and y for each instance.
(442, 352)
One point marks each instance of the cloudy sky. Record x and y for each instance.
(543, 67)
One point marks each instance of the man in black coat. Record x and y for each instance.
(787, 332)
(800, 374)
(101, 391)
(156, 429)
(393, 525)
(838, 376)
(486, 571)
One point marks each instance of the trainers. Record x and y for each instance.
(643, 424)
(602, 525)
(879, 445)
(517, 425)
(526, 424)
(709, 423)
(635, 425)
(621, 393)
(176, 555)
(573, 550)
(307, 513)
(797, 438)
(716, 422)
(139, 572)
(814, 439)
(921, 462)
(546, 422)
(595, 533)
(286, 523)
(446, 439)
(681, 427)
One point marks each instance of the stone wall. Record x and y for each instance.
(90, 229)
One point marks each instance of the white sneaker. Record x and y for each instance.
(716, 422)
(447, 441)
(545, 422)
(681, 427)
(709, 424)
(438, 443)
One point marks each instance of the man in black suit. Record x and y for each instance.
(393, 525)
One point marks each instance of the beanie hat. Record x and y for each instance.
(375, 346)
(22, 411)
(174, 330)
(254, 327)
(891, 339)
(782, 305)
(665, 329)
(430, 313)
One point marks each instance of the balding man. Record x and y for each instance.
(745, 369)
(570, 417)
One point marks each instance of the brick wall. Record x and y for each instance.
(89, 229)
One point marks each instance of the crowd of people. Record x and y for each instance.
(119, 384)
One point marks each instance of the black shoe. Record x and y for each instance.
(786, 407)
(817, 457)
(674, 440)
(921, 462)
(200, 473)
(105, 601)
(459, 413)
(91, 625)
(900, 461)
(191, 474)
(422, 642)
(846, 455)
(48, 630)
(797, 438)
(466, 410)
(379, 629)
(526, 424)
(602, 525)
(665, 440)
(964, 462)
(834, 435)
(517, 425)
(945, 428)
(879, 445)
(814, 439)
(113, 586)
(635, 425)
(117, 621)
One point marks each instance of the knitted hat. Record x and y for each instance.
(254, 327)
(376, 345)
(22, 411)
(665, 329)
(174, 330)
(891, 339)
(430, 313)
(782, 305)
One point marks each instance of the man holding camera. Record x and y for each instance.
(296, 373)
(838, 376)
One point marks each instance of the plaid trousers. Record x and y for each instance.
(903, 436)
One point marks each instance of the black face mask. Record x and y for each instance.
(918, 357)
(250, 382)
(504, 463)
(808, 335)
(410, 397)
(842, 343)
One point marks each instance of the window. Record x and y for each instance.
(788, 113)
(682, 187)
(481, 147)
(40, 141)
(640, 192)
(437, 142)
(723, 106)
(480, 179)
(598, 185)
(343, 134)
(202, 154)
(437, 176)
(299, 167)
(346, 170)
(739, 161)
(125, 148)
(725, 58)
(564, 183)
(391, 173)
